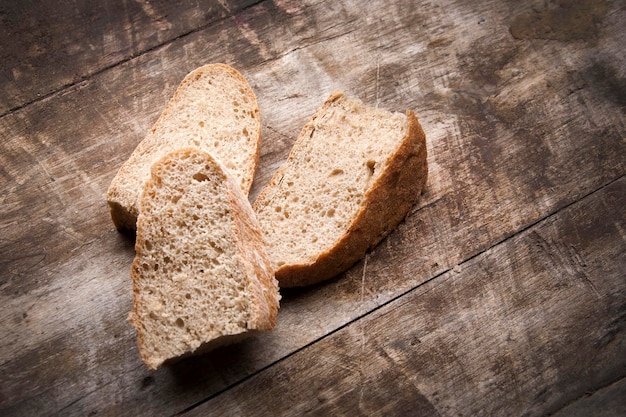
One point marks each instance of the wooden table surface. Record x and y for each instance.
(502, 293)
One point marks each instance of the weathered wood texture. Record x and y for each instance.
(605, 402)
(523, 107)
(524, 328)
(47, 45)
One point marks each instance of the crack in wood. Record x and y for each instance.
(131, 56)
(308, 45)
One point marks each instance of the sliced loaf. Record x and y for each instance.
(201, 274)
(214, 109)
(351, 177)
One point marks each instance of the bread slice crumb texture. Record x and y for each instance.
(215, 110)
(195, 279)
(332, 176)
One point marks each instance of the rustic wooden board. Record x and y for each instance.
(523, 329)
(606, 402)
(49, 45)
(513, 138)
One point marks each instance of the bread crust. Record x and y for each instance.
(124, 203)
(385, 205)
(251, 245)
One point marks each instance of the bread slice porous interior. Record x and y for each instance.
(215, 110)
(318, 196)
(200, 273)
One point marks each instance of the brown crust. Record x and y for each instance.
(125, 218)
(385, 205)
(254, 257)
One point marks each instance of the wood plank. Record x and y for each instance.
(606, 402)
(512, 139)
(47, 46)
(522, 329)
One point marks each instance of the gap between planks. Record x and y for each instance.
(588, 394)
(131, 57)
(409, 291)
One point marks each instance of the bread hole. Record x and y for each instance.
(199, 176)
(195, 217)
(286, 214)
(188, 296)
(235, 103)
(167, 260)
(148, 245)
(330, 212)
(336, 171)
(201, 123)
(180, 322)
(245, 131)
(278, 209)
(156, 267)
(181, 224)
(371, 166)
(145, 266)
(216, 248)
(175, 198)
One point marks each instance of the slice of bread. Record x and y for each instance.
(352, 176)
(201, 274)
(214, 109)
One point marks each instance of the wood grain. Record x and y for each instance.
(51, 45)
(519, 127)
(606, 402)
(500, 334)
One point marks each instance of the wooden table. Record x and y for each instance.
(502, 293)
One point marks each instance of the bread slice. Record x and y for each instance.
(214, 109)
(201, 274)
(352, 176)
